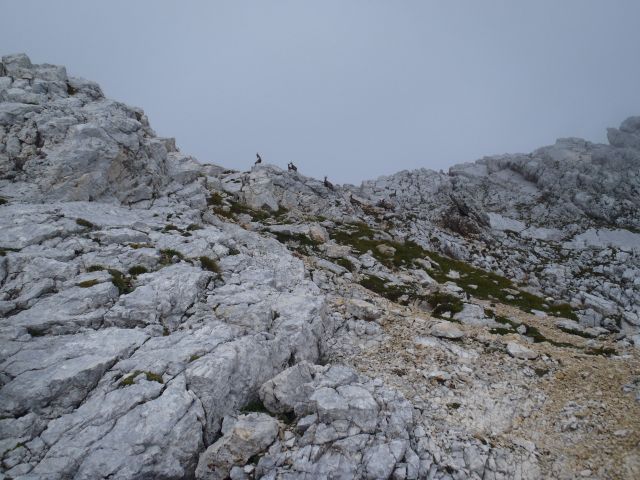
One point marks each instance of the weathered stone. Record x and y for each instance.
(251, 434)
(446, 330)
(518, 351)
(363, 309)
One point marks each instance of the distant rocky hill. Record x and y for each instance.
(163, 318)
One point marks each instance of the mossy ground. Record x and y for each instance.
(476, 282)
(137, 270)
(384, 288)
(442, 303)
(130, 379)
(298, 242)
(345, 263)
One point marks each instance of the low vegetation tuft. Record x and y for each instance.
(130, 379)
(121, 281)
(210, 264)
(84, 223)
(137, 270)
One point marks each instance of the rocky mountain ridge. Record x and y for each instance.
(162, 318)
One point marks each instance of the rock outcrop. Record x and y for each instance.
(160, 318)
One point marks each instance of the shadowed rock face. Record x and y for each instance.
(160, 318)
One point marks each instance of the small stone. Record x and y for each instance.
(362, 309)
(518, 351)
(318, 233)
(446, 330)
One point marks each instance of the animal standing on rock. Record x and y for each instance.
(328, 184)
(259, 159)
(291, 167)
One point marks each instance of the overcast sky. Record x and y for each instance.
(349, 89)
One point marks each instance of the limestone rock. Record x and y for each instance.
(251, 434)
(446, 330)
(518, 351)
(147, 300)
(363, 309)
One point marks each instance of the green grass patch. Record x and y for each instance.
(167, 254)
(4, 251)
(194, 357)
(532, 332)
(214, 199)
(506, 321)
(3, 201)
(301, 242)
(238, 208)
(442, 302)
(501, 331)
(151, 377)
(385, 289)
(84, 223)
(577, 333)
(475, 281)
(88, 283)
(361, 238)
(194, 226)
(345, 263)
(121, 281)
(95, 268)
(210, 264)
(136, 246)
(221, 212)
(137, 270)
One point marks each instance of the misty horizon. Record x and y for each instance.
(352, 91)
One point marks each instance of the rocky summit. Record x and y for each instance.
(162, 318)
